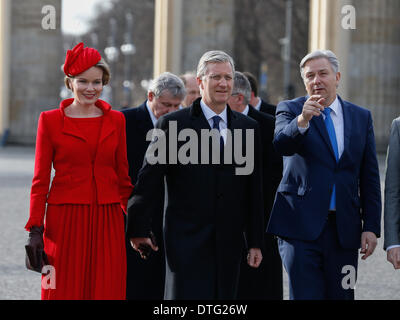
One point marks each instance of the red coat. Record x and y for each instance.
(59, 142)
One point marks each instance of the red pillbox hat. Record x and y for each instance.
(79, 59)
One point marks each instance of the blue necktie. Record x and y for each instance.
(216, 120)
(332, 136)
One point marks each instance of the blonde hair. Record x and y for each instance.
(102, 64)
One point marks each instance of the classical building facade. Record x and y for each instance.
(365, 36)
(363, 33)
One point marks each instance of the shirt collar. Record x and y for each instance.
(209, 113)
(246, 110)
(152, 116)
(335, 106)
(258, 106)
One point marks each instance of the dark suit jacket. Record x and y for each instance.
(208, 209)
(267, 108)
(271, 160)
(265, 282)
(392, 188)
(145, 278)
(310, 170)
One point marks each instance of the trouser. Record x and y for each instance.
(320, 269)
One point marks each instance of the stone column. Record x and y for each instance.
(368, 55)
(327, 32)
(208, 25)
(36, 55)
(184, 30)
(374, 77)
(5, 14)
(167, 36)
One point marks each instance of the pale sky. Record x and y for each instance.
(75, 14)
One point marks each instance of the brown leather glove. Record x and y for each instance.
(35, 257)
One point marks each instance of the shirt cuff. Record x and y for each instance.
(303, 130)
(392, 247)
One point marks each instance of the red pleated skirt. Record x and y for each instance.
(85, 245)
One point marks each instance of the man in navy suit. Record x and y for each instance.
(145, 278)
(328, 203)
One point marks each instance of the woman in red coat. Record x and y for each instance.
(84, 140)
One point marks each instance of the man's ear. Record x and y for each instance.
(150, 96)
(338, 75)
(200, 83)
(241, 98)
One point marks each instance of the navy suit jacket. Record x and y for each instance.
(310, 170)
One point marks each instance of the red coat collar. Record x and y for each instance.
(70, 128)
(104, 106)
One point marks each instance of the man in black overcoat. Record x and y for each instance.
(264, 282)
(209, 206)
(145, 278)
(258, 103)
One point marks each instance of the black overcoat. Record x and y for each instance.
(209, 208)
(145, 278)
(265, 282)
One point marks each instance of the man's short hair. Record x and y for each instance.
(242, 85)
(170, 82)
(253, 82)
(186, 75)
(214, 56)
(327, 54)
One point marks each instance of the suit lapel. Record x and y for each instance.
(199, 121)
(145, 122)
(321, 128)
(232, 120)
(347, 125)
(107, 128)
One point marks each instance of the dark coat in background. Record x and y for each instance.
(265, 282)
(208, 209)
(145, 278)
(267, 108)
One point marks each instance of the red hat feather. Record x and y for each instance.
(79, 59)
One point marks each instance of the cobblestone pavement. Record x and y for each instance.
(377, 280)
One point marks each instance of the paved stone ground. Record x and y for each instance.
(377, 280)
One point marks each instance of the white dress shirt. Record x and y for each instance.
(246, 110)
(258, 106)
(209, 113)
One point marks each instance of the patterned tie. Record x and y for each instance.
(216, 120)
(332, 136)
